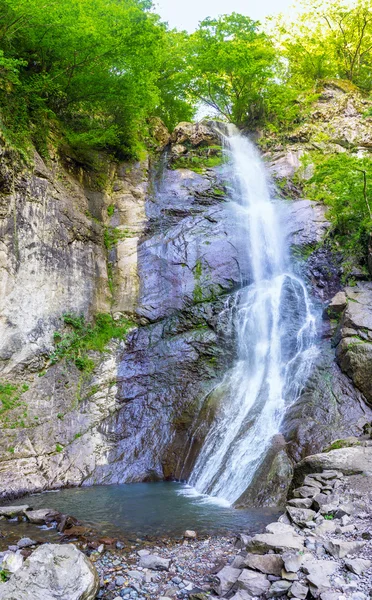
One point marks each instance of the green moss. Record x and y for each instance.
(198, 291)
(77, 436)
(112, 235)
(79, 337)
(110, 210)
(59, 448)
(338, 444)
(11, 450)
(60, 416)
(10, 397)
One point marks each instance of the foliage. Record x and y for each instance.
(91, 66)
(10, 395)
(80, 337)
(112, 235)
(342, 182)
(198, 160)
(230, 63)
(330, 38)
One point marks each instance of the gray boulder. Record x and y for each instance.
(279, 588)
(340, 549)
(53, 572)
(13, 511)
(298, 591)
(254, 583)
(226, 578)
(357, 565)
(271, 564)
(301, 516)
(42, 515)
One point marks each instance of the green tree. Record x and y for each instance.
(230, 64)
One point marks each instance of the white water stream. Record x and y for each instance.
(276, 339)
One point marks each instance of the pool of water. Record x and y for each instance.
(146, 510)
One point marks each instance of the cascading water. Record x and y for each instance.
(276, 333)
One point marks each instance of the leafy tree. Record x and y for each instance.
(230, 64)
(330, 39)
(343, 182)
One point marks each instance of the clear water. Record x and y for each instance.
(276, 337)
(149, 510)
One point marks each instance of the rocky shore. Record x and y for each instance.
(319, 548)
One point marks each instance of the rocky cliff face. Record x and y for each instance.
(157, 243)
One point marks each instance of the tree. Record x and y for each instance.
(230, 64)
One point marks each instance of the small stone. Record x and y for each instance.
(298, 591)
(238, 562)
(155, 562)
(143, 552)
(289, 576)
(190, 534)
(357, 565)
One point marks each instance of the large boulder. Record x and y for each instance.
(53, 572)
(350, 461)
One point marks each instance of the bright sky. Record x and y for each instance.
(185, 14)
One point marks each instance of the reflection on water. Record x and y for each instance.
(150, 509)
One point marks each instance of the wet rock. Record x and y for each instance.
(341, 549)
(13, 511)
(307, 223)
(298, 590)
(266, 563)
(53, 572)
(189, 534)
(43, 515)
(254, 583)
(226, 578)
(25, 543)
(155, 562)
(279, 588)
(300, 516)
(357, 565)
(12, 562)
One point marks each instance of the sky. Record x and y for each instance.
(185, 14)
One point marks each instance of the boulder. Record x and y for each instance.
(42, 515)
(357, 565)
(53, 572)
(279, 588)
(254, 583)
(12, 562)
(226, 578)
(26, 542)
(318, 573)
(340, 549)
(270, 564)
(182, 132)
(301, 502)
(293, 561)
(298, 590)
(13, 511)
(155, 562)
(350, 461)
(301, 516)
(306, 491)
(281, 542)
(337, 305)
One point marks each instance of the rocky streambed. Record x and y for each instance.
(319, 548)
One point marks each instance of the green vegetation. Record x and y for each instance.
(10, 396)
(198, 290)
(59, 448)
(110, 210)
(79, 338)
(112, 235)
(342, 182)
(198, 161)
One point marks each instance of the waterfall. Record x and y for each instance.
(276, 337)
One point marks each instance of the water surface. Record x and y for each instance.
(143, 510)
